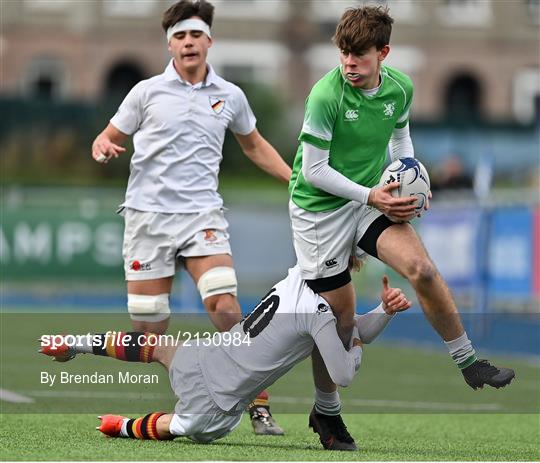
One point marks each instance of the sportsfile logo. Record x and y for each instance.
(351, 115)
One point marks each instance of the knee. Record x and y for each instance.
(421, 272)
(224, 311)
(151, 327)
(221, 303)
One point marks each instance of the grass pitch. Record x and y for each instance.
(379, 437)
(406, 404)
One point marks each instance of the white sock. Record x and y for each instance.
(84, 344)
(123, 431)
(327, 403)
(462, 351)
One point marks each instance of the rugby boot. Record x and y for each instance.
(263, 423)
(59, 353)
(111, 425)
(332, 431)
(482, 372)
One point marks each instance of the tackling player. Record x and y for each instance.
(215, 382)
(172, 210)
(353, 115)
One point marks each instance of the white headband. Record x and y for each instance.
(188, 25)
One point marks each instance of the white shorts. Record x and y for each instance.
(154, 242)
(196, 416)
(324, 241)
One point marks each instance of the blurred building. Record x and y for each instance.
(469, 58)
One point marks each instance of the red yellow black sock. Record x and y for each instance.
(133, 346)
(144, 427)
(260, 401)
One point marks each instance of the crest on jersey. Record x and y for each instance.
(217, 104)
(389, 108)
(209, 236)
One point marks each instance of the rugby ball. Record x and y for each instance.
(413, 180)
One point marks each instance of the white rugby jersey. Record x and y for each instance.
(178, 132)
(283, 329)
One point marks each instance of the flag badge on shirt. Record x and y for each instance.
(217, 104)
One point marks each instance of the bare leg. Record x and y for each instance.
(223, 309)
(164, 355)
(413, 262)
(343, 304)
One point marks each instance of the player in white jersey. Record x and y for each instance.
(173, 212)
(214, 379)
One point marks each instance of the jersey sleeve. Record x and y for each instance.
(404, 117)
(129, 116)
(244, 121)
(319, 118)
(342, 365)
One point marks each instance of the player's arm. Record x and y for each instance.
(125, 122)
(342, 365)
(317, 171)
(400, 145)
(108, 143)
(264, 155)
(371, 324)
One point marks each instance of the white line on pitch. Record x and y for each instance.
(382, 403)
(13, 397)
(100, 394)
(377, 403)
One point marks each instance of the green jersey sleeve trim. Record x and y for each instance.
(401, 125)
(315, 141)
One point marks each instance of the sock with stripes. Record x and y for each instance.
(133, 346)
(142, 428)
(260, 401)
(327, 403)
(462, 351)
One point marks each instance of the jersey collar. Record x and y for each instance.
(170, 75)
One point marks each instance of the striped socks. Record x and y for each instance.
(260, 401)
(134, 346)
(462, 351)
(142, 428)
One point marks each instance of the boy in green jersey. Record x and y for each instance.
(353, 116)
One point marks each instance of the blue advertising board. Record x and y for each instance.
(511, 256)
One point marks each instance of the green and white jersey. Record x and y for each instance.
(354, 127)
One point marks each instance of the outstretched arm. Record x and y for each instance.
(371, 324)
(264, 155)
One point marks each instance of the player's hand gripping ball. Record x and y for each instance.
(413, 181)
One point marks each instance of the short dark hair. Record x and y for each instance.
(361, 28)
(186, 9)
